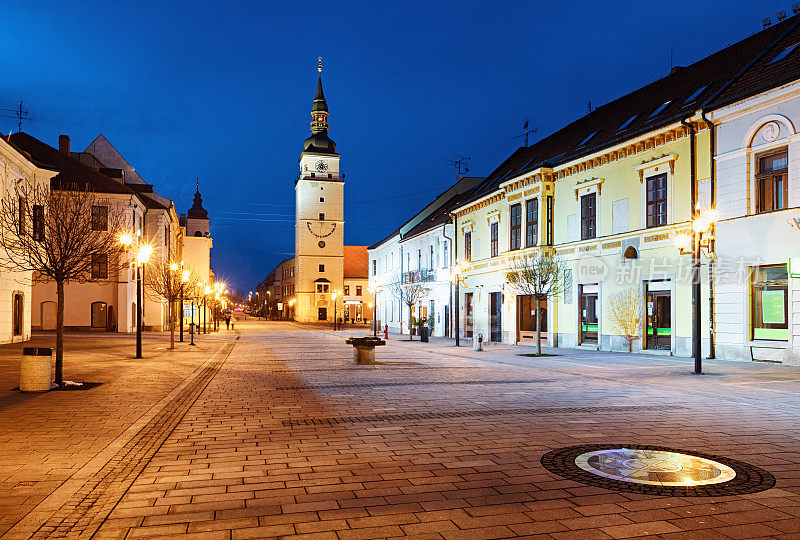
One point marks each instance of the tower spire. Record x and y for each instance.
(319, 142)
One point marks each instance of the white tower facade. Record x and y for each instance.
(319, 221)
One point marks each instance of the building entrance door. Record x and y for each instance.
(495, 317)
(322, 314)
(659, 316)
(588, 306)
(528, 316)
(468, 314)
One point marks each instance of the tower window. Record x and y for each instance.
(322, 216)
(322, 199)
(313, 175)
(322, 268)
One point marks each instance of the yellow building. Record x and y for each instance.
(608, 194)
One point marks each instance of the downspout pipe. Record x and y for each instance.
(450, 264)
(712, 138)
(697, 311)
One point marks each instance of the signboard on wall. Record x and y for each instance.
(772, 307)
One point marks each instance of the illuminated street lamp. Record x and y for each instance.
(206, 292)
(333, 297)
(374, 305)
(142, 255)
(184, 279)
(455, 277)
(702, 236)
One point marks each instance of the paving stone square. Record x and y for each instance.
(281, 435)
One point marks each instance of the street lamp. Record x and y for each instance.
(184, 279)
(333, 297)
(143, 252)
(456, 277)
(702, 236)
(206, 292)
(374, 305)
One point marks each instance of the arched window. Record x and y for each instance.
(99, 315)
(198, 233)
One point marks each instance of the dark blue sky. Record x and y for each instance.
(222, 91)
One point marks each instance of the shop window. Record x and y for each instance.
(515, 240)
(770, 302)
(772, 189)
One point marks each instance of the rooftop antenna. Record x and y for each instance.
(781, 15)
(796, 8)
(20, 113)
(589, 103)
(526, 131)
(766, 22)
(462, 161)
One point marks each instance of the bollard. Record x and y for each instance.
(477, 342)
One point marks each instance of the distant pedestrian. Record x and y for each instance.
(228, 322)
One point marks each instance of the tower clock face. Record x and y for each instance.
(322, 166)
(321, 229)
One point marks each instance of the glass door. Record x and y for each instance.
(468, 314)
(658, 334)
(589, 323)
(495, 316)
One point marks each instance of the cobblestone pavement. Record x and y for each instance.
(290, 438)
(56, 448)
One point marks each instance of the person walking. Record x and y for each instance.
(228, 322)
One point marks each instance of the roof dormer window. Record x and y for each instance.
(784, 53)
(659, 110)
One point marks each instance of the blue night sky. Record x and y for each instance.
(222, 91)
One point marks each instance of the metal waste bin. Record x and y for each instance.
(36, 369)
(423, 334)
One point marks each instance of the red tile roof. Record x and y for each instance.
(356, 262)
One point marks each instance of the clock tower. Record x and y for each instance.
(319, 220)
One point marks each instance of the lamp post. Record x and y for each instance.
(184, 279)
(191, 325)
(206, 291)
(143, 252)
(702, 236)
(374, 305)
(457, 269)
(333, 297)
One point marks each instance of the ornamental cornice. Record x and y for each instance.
(629, 149)
(482, 203)
(663, 159)
(542, 174)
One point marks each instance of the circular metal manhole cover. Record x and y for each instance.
(656, 470)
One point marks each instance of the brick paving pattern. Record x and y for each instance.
(456, 460)
(290, 439)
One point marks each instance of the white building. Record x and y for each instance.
(419, 251)
(756, 288)
(16, 287)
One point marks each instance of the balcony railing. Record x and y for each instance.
(417, 276)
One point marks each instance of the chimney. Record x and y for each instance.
(63, 144)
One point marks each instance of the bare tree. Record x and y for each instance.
(65, 235)
(541, 276)
(408, 292)
(164, 281)
(625, 307)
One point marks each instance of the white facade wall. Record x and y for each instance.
(745, 239)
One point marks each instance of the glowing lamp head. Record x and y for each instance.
(712, 215)
(185, 276)
(683, 241)
(173, 267)
(125, 239)
(144, 253)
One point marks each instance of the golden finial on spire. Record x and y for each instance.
(319, 66)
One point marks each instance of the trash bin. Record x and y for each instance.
(423, 334)
(35, 369)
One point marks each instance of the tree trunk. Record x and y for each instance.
(538, 328)
(171, 326)
(410, 326)
(630, 345)
(60, 332)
